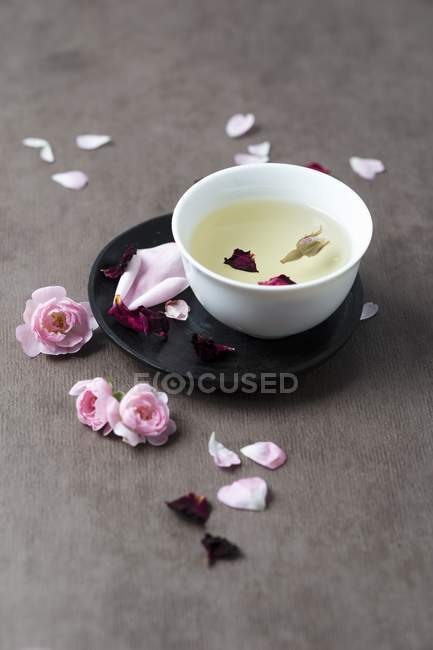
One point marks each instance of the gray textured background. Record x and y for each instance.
(90, 558)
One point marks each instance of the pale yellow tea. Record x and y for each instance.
(272, 231)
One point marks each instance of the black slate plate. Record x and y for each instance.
(294, 354)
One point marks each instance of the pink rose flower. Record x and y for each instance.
(141, 415)
(54, 324)
(93, 396)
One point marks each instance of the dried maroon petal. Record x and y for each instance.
(242, 260)
(146, 321)
(192, 506)
(114, 272)
(206, 348)
(318, 167)
(219, 548)
(277, 281)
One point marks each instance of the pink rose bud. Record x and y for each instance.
(93, 396)
(54, 324)
(141, 415)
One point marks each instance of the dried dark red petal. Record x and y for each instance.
(242, 261)
(114, 272)
(219, 548)
(318, 167)
(146, 321)
(192, 506)
(277, 281)
(206, 348)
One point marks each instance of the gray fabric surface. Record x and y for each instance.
(90, 557)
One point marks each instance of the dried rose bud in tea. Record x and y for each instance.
(309, 245)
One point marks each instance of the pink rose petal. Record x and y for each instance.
(261, 149)
(177, 309)
(239, 124)
(245, 494)
(89, 142)
(249, 159)
(369, 310)
(367, 167)
(267, 454)
(74, 180)
(222, 456)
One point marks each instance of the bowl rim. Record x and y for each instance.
(259, 287)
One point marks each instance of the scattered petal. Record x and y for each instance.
(261, 149)
(219, 548)
(277, 281)
(242, 261)
(267, 454)
(35, 143)
(369, 310)
(74, 180)
(318, 167)
(222, 456)
(249, 159)
(47, 154)
(192, 506)
(114, 272)
(206, 348)
(177, 309)
(90, 142)
(146, 321)
(239, 124)
(367, 167)
(245, 494)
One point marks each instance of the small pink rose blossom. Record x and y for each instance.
(141, 415)
(92, 401)
(54, 324)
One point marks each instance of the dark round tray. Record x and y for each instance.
(294, 354)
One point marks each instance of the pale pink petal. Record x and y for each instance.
(74, 180)
(91, 142)
(222, 456)
(261, 149)
(366, 167)
(162, 438)
(239, 124)
(369, 310)
(25, 336)
(47, 154)
(245, 494)
(35, 143)
(267, 454)
(48, 293)
(249, 159)
(93, 323)
(177, 309)
(79, 387)
(128, 435)
(113, 411)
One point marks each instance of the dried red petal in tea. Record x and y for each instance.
(192, 506)
(219, 548)
(242, 261)
(114, 272)
(318, 167)
(146, 321)
(206, 348)
(277, 281)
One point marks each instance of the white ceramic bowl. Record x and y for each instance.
(264, 311)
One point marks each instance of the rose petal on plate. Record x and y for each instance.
(46, 154)
(222, 456)
(249, 159)
(267, 454)
(245, 494)
(277, 281)
(191, 506)
(318, 167)
(35, 143)
(366, 167)
(206, 348)
(219, 548)
(89, 141)
(369, 310)
(242, 261)
(74, 180)
(177, 309)
(239, 124)
(144, 320)
(114, 272)
(261, 149)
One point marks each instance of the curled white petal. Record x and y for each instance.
(74, 180)
(47, 154)
(249, 159)
(239, 124)
(267, 454)
(261, 149)
(222, 456)
(245, 494)
(35, 143)
(369, 310)
(89, 141)
(367, 167)
(177, 309)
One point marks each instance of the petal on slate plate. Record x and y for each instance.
(222, 456)
(177, 309)
(245, 494)
(369, 310)
(367, 167)
(47, 154)
(249, 159)
(261, 149)
(267, 454)
(89, 142)
(74, 180)
(239, 124)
